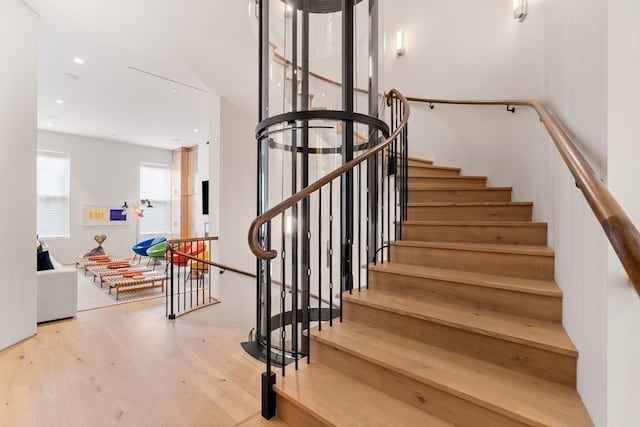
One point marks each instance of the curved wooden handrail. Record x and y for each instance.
(254, 230)
(287, 63)
(620, 231)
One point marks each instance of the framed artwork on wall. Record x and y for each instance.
(100, 215)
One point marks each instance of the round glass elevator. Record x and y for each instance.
(320, 105)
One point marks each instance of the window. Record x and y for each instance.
(155, 185)
(53, 194)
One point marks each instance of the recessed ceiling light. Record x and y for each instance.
(49, 124)
(174, 90)
(196, 130)
(166, 144)
(78, 61)
(59, 101)
(176, 139)
(51, 116)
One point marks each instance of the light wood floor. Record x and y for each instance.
(126, 365)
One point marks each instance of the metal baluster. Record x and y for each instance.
(330, 256)
(381, 201)
(396, 224)
(405, 136)
(172, 315)
(359, 217)
(367, 243)
(283, 293)
(393, 127)
(320, 259)
(388, 171)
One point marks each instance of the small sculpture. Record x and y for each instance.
(99, 250)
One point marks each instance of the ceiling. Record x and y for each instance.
(150, 67)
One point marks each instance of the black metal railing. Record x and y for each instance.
(370, 203)
(188, 275)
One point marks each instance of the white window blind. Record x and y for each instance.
(155, 185)
(53, 195)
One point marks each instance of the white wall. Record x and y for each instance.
(575, 88)
(233, 206)
(476, 50)
(103, 173)
(470, 50)
(18, 82)
(623, 373)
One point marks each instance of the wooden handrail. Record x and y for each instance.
(193, 239)
(620, 231)
(224, 267)
(286, 63)
(254, 230)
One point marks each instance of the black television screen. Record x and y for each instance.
(205, 197)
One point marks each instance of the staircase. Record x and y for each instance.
(462, 327)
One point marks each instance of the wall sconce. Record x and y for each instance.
(125, 206)
(400, 49)
(288, 10)
(519, 10)
(147, 202)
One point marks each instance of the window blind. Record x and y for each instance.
(53, 182)
(155, 185)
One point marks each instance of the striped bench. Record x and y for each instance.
(101, 272)
(87, 264)
(129, 284)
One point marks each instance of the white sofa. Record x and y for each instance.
(57, 293)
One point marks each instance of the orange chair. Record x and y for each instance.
(193, 249)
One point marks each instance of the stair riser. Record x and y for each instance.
(417, 172)
(520, 303)
(459, 196)
(295, 415)
(470, 213)
(518, 265)
(517, 356)
(425, 397)
(461, 182)
(530, 234)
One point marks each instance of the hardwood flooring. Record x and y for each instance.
(127, 365)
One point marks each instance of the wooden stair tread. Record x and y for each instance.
(463, 189)
(329, 395)
(477, 223)
(536, 333)
(517, 284)
(525, 398)
(418, 159)
(452, 178)
(434, 167)
(480, 247)
(466, 204)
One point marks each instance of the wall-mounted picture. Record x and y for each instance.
(103, 215)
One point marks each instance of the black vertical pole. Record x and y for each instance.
(294, 189)
(263, 267)
(320, 259)
(306, 208)
(346, 193)
(372, 163)
(172, 314)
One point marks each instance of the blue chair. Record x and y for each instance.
(140, 248)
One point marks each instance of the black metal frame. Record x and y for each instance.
(296, 251)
